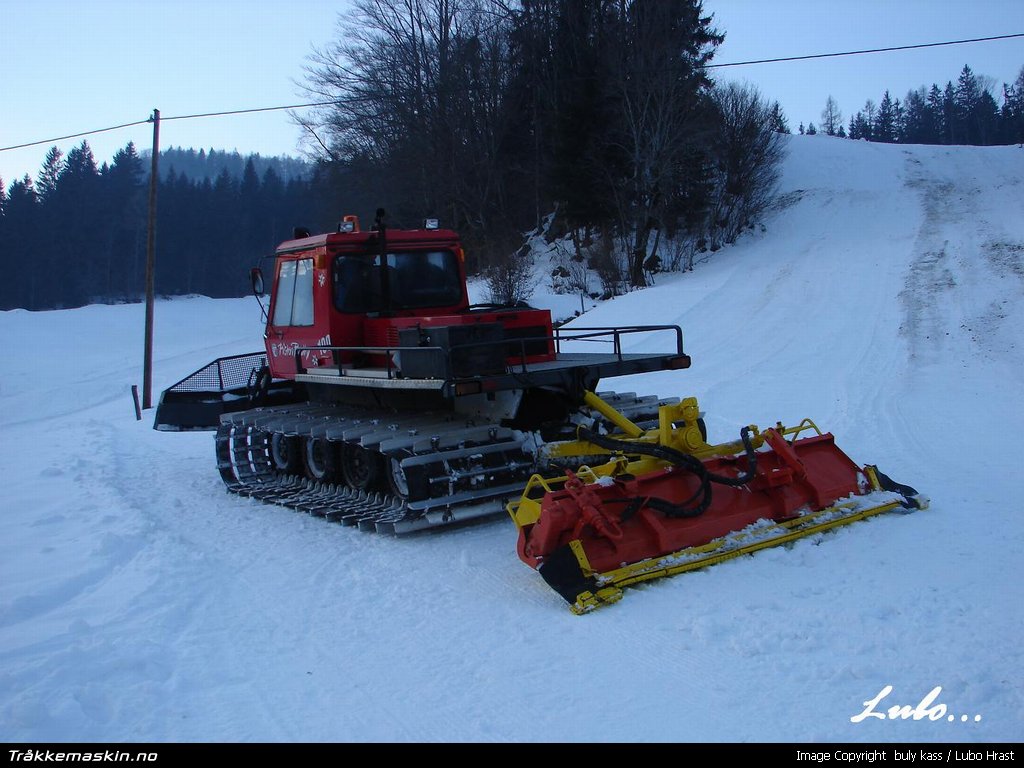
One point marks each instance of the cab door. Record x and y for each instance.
(293, 321)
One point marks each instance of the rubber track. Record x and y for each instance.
(445, 452)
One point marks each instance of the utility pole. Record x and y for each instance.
(147, 366)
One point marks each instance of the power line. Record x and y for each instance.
(357, 99)
(259, 109)
(866, 50)
(173, 117)
(76, 135)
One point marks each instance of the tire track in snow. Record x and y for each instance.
(302, 567)
(219, 540)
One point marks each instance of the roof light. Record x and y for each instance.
(431, 223)
(349, 224)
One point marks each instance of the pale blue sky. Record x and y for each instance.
(75, 65)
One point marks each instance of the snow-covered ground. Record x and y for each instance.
(139, 601)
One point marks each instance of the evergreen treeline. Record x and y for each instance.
(211, 163)
(77, 235)
(962, 113)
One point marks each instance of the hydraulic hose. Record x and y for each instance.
(690, 507)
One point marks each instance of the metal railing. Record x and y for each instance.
(597, 335)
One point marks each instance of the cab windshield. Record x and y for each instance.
(403, 280)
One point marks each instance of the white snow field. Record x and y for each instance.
(141, 602)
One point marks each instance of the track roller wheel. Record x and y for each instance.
(286, 453)
(363, 470)
(320, 459)
(398, 483)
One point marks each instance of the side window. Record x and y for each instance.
(294, 302)
(302, 305)
(285, 291)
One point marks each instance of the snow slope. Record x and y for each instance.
(139, 601)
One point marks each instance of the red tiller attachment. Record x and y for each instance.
(628, 521)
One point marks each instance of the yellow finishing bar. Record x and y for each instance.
(695, 558)
(718, 551)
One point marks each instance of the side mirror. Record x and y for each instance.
(256, 278)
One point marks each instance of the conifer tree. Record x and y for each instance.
(966, 96)
(984, 122)
(1012, 114)
(937, 117)
(884, 128)
(779, 122)
(21, 248)
(53, 166)
(951, 120)
(918, 123)
(854, 132)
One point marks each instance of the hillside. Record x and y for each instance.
(139, 601)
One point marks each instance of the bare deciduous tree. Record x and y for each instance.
(419, 89)
(659, 82)
(748, 153)
(831, 117)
